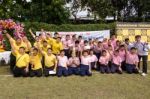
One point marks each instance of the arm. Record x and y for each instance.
(33, 35)
(55, 64)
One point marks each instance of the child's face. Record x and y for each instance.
(116, 53)
(104, 53)
(62, 53)
(85, 54)
(45, 44)
(49, 51)
(110, 48)
(91, 52)
(122, 48)
(133, 51)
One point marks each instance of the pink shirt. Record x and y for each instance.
(113, 42)
(131, 58)
(93, 58)
(62, 61)
(85, 60)
(105, 45)
(116, 60)
(66, 44)
(104, 60)
(122, 54)
(110, 54)
(74, 61)
(97, 49)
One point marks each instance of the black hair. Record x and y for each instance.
(77, 42)
(126, 39)
(22, 48)
(133, 48)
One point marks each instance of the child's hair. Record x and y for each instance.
(49, 49)
(85, 51)
(126, 39)
(121, 46)
(99, 42)
(76, 42)
(85, 41)
(138, 36)
(35, 49)
(62, 51)
(55, 33)
(116, 50)
(22, 48)
(44, 41)
(104, 51)
(133, 48)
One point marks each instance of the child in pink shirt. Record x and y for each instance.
(116, 63)
(62, 68)
(93, 60)
(85, 68)
(74, 63)
(132, 61)
(122, 54)
(104, 60)
(98, 49)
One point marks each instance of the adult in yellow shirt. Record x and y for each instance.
(22, 62)
(57, 46)
(17, 43)
(36, 65)
(50, 61)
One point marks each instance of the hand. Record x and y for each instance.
(4, 32)
(30, 30)
(26, 69)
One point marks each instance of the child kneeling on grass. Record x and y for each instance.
(116, 63)
(132, 61)
(62, 69)
(36, 65)
(104, 60)
(85, 66)
(74, 63)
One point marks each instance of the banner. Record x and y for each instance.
(85, 34)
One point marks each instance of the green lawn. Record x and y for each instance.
(99, 86)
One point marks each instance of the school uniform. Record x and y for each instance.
(130, 63)
(12, 56)
(104, 68)
(116, 62)
(122, 55)
(57, 47)
(62, 69)
(36, 65)
(73, 68)
(49, 61)
(22, 62)
(93, 61)
(85, 66)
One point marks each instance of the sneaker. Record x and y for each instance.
(143, 74)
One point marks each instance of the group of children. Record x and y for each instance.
(70, 55)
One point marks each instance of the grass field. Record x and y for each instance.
(99, 86)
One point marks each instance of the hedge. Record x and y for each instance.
(37, 26)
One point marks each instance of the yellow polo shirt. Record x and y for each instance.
(57, 47)
(50, 60)
(45, 48)
(2, 48)
(36, 61)
(21, 60)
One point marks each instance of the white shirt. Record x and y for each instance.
(62, 61)
(142, 47)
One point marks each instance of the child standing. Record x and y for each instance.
(104, 60)
(62, 69)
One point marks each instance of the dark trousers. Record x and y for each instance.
(93, 65)
(62, 71)
(123, 67)
(18, 72)
(144, 59)
(37, 73)
(115, 69)
(131, 68)
(67, 52)
(46, 70)
(73, 70)
(104, 69)
(12, 62)
(84, 70)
